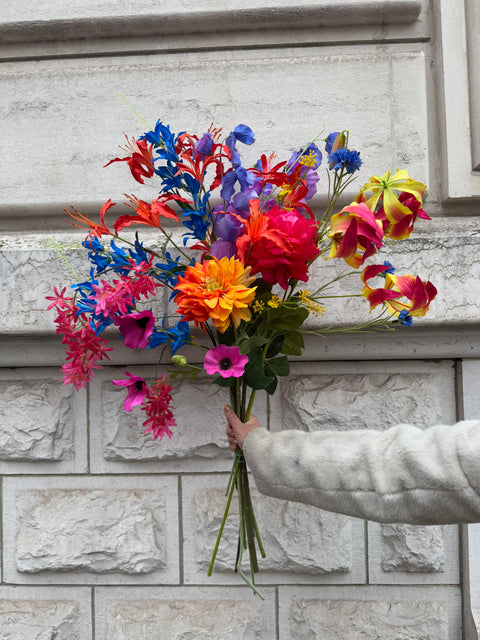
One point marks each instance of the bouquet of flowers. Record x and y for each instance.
(237, 277)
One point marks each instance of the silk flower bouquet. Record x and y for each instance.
(238, 276)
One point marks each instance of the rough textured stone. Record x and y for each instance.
(37, 420)
(198, 434)
(368, 620)
(97, 531)
(368, 399)
(194, 91)
(299, 539)
(222, 619)
(412, 548)
(39, 620)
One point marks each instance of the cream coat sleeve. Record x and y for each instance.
(402, 474)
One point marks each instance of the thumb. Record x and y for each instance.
(231, 416)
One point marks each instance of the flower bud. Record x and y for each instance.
(179, 361)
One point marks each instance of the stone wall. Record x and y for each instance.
(107, 534)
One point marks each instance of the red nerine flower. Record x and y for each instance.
(279, 244)
(157, 407)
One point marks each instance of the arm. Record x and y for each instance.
(402, 474)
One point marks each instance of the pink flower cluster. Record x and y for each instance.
(83, 347)
(156, 401)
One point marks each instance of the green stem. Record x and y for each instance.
(219, 537)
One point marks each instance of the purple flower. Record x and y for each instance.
(227, 361)
(243, 134)
(227, 227)
(136, 328)
(330, 139)
(205, 145)
(223, 249)
(136, 390)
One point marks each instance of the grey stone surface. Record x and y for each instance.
(365, 395)
(37, 99)
(96, 531)
(412, 548)
(184, 613)
(198, 433)
(39, 620)
(45, 613)
(361, 620)
(37, 421)
(299, 539)
(400, 554)
(181, 619)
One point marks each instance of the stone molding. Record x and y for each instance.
(459, 99)
(112, 21)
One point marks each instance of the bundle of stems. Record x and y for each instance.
(248, 534)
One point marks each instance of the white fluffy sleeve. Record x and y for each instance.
(402, 474)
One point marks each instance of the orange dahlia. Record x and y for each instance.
(216, 289)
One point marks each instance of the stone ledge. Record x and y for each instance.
(178, 19)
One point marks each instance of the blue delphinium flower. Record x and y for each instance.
(120, 262)
(176, 336)
(164, 141)
(344, 159)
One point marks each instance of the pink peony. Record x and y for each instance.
(227, 361)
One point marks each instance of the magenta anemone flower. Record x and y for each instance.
(227, 361)
(136, 328)
(136, 390)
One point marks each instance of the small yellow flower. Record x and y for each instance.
(274, 302)
(315, 308)
(258, 306)
(285, 190)
(309, 160)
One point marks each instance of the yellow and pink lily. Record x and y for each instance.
(419, 294)
(397, 202)
(356, 234)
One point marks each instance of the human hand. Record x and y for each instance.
(237, 430)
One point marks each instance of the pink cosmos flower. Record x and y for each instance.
(136, 390)
(227, 361)
(136, 328)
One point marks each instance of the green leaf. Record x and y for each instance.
(283, 319)
(272, 387)
(293, 344)
(224, 382)
(248, 344)
(275, 346)
(278, 366)
(254, 375)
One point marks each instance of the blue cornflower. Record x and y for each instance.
(389, 268)
(344, 159)
(405, 318)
